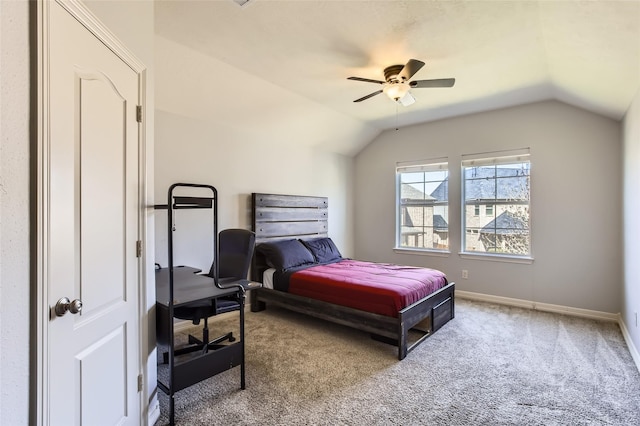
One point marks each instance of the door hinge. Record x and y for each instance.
(139, 382)
(139, 113)
(138, 248)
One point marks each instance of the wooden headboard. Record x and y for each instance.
(283, 217)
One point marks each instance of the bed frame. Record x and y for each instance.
(281, 217)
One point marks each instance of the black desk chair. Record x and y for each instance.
(234, 258)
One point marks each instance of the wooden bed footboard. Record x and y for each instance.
(437, 308)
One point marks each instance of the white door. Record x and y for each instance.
(92, 224)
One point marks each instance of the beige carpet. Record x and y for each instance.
(491, 365)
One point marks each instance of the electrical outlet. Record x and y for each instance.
(465, 275)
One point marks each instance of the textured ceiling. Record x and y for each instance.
(501, 53)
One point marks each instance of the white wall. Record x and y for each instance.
(576, 197)
(631, 294)
(200, 146)
(14, 213)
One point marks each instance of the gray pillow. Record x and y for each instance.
(323, 249)
(286, 254)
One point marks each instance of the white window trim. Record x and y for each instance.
(495, 157)
(422, 251)
(485, 159)
(494, 257)
(427, 165)
(430, 165)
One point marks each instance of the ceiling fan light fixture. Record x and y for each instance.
(406, 100)
(397, 82)
(396, 91)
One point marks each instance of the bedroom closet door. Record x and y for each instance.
(91, 214)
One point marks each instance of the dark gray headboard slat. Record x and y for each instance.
(281, 229)
(280, 214)
(289, 201)
(280, 217)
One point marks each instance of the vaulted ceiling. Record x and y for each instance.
(501, 53)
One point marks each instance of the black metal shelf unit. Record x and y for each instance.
(185, 372)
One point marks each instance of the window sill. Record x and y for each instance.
(497, 257)
(422, 252)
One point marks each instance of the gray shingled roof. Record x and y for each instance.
(481, 184)
(506, 224)
(512, 184)
(408, 192)
(441, 193)
(439, 224)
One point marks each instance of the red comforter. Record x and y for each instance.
(379, 288)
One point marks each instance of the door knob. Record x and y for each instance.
(65, 305)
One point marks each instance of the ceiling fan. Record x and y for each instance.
(397, 84)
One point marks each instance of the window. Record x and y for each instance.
(501, 182)
(422, 205)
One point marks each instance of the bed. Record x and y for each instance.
(295, 259)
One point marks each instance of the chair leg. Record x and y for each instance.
(205, 332)
(193, 340)
(215, 342)
(196, 344)
(228, 336)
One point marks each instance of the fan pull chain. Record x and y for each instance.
(397, 116)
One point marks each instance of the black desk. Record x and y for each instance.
(188, 287)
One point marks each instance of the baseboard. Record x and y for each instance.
(154, 409)
(632, 348)
(545, 307)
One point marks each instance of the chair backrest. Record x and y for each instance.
(235, 250)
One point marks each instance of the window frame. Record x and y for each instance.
(494, 159)
(429, 165)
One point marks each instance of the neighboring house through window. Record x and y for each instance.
(423, 205)
(500, 182)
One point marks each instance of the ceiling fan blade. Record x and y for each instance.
(370, 95)
(367, 80)
(440, 82)
(412, 67)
